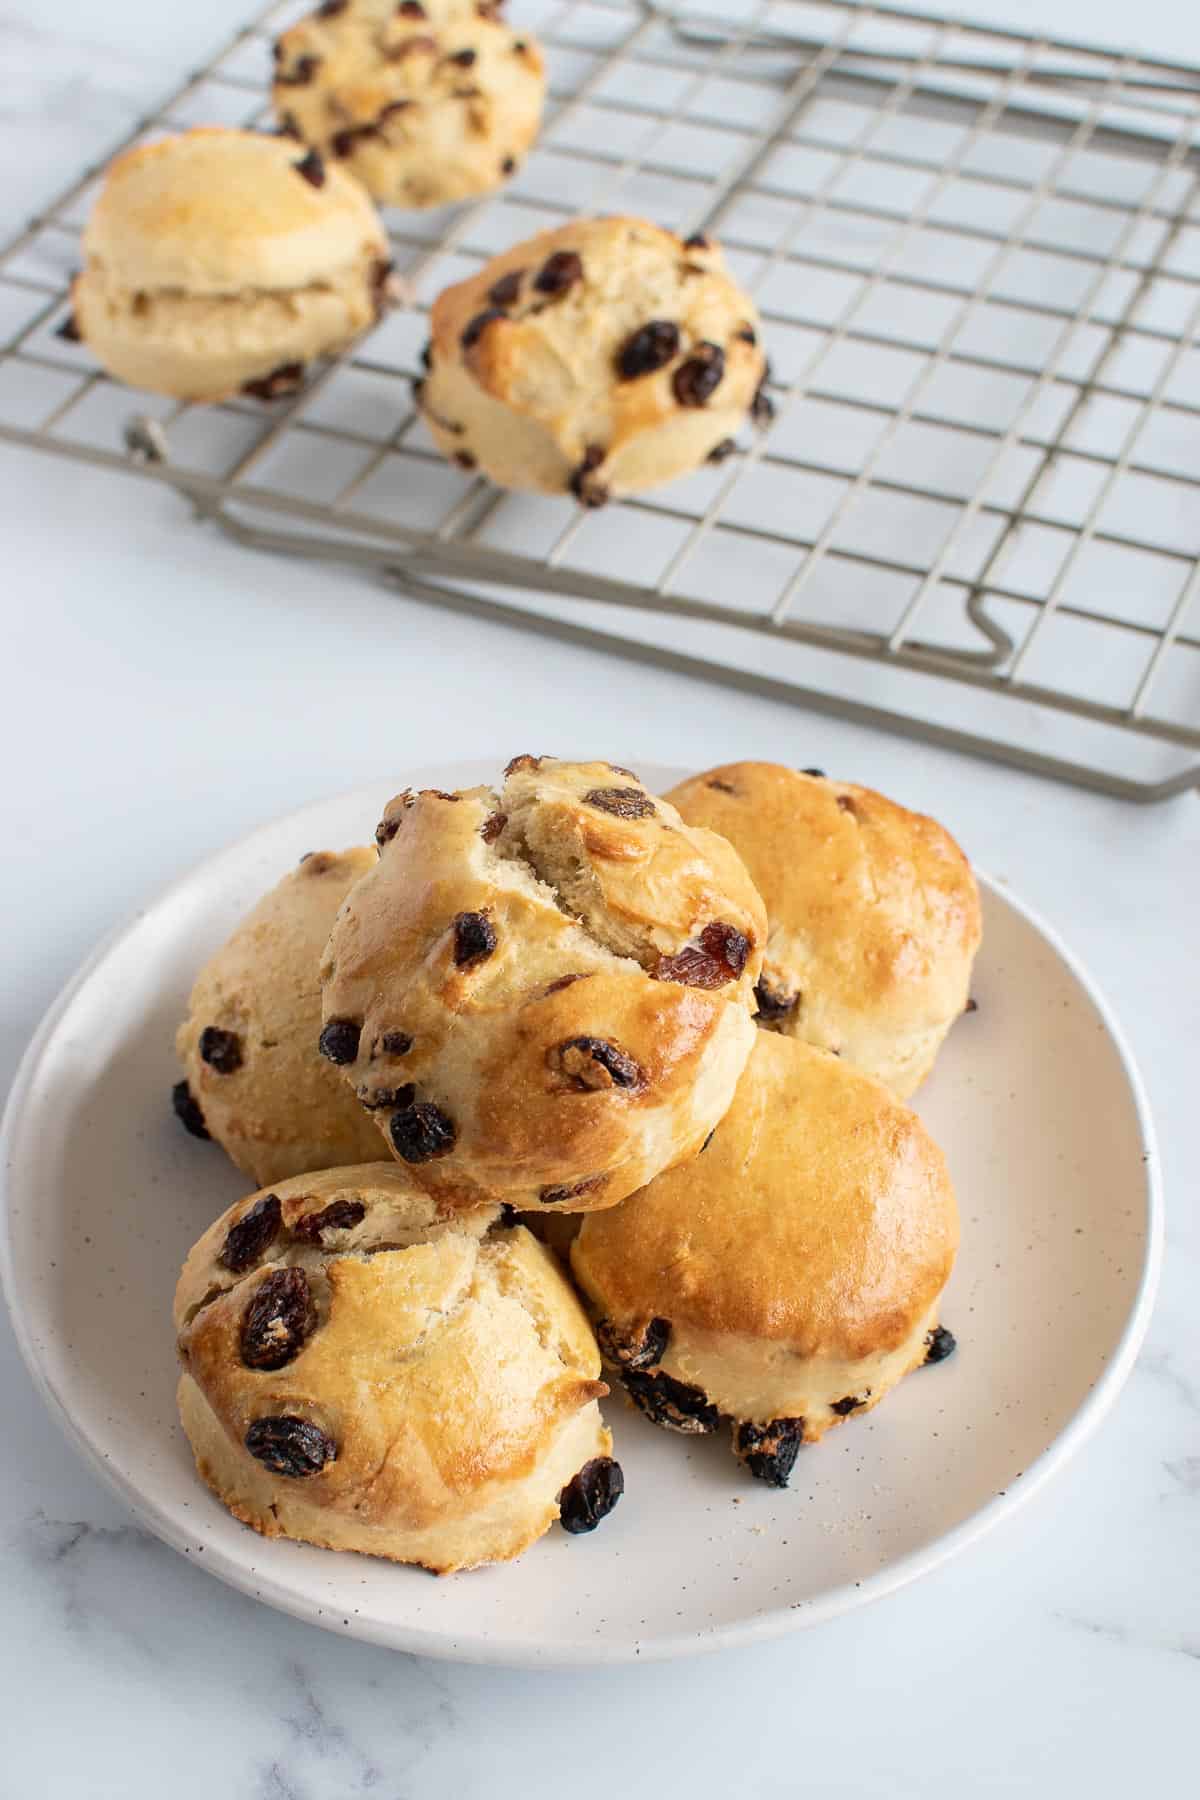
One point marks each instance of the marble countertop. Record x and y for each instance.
(1061, 1655)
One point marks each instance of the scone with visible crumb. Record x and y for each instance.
(223, 261)
(254, 1078)
(423, 103)
(788, 1278)
(599, 359)
(363, 1372)
(543, 993)
(873, 912)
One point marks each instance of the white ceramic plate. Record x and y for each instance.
(1035, 1101)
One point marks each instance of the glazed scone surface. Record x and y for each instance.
(249, 1042)
(791, 1275)
(873, 913)
(213, 261)
(364, 1372)
(423, 104)
(544, 992)
(598, 359)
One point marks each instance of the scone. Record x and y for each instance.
(423, 103)
(873, 913)
(364, 1373)
(255, 1080)
(791, 1276)
(544, 993)
(599, 359)
(224, 261)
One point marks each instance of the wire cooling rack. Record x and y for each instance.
(976, 516)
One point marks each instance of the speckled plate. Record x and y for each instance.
(1040, 1111)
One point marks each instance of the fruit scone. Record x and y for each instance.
(543, 992)
(219, 262)
(254, 1078)
(792, 1275)
(423, 103)
(596, 360)
(873, 912)
(364, 1372)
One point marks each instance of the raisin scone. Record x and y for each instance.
(543, 993)
(363, 1372)
(873, 913)
(790, 1277)
(599, 359)
(254, 1078)
(422, 104)
(219, 262)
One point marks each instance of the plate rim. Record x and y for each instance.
(257, 1582)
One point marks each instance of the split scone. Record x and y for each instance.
(219, 262)
(873, 913)
(254, 1078)
(363, 1372)
(598, 359)
(423, 103)
(791, 1275)
(543, 993)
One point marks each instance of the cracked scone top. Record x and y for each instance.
(255, 1080)
(788, 1278)
(423, 103)
(224, 260)
(364, 1373)
(873, 913)
(598, 359)
(544, 993)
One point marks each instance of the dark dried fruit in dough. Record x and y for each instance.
(377, 1099)
(593, 1063)
(278, 1321)
(622, 802)
(289, 1445)
(254, 1232)
(718, 958)
(339, 1215)
(421, 1132)
(474, 329)
(559, 272)
(312, 167)
(851, 1403)
(939, 1344)
(282, 382)
(554, 1196)
(474, 938)
(339, 1040)
(302, 74)
(697, 380)
(221, 1050)
(395, 1043)
(672, 1403)
(772, 1004)
(591, 1495)
(769, 1452)
(187, 1111)
(637, 1353)
(585, 490)
(652, 347)
(504, 292)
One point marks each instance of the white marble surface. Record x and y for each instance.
(165, 691)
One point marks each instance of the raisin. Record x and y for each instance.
(520, 763)
(650, 348)
(411, 9)
(385, 831)
(279, 1320)
(509, 166)
(464, 58)
(939, 1344)
(563, 981)
(386, 290)
(708, 1140)
(634, 1353)
(773, 1005)
(187, 1110)
(817, 774)
(850, 1404)
(376, 1099)
(474, 938)
(421, 1132)
(559, 272)
(769, 1451)
(622, 802)
(68, 331)
(287, 379)
(329, 9)
(395, 1043)
(492, 826)
(762, 407)
(554, 1196)
(697, 241)
(221, 1050)
(592, 1064)
(972, 1005)
(288, 1445)
(312, 167)
(288, 127)
(504, 292)
(254, 1231)
(719, 452)
(302, 72)
(465, 460)
(719, 957)
(696, 380)
(746, 334)
(345, 142)
(721, 787)
(672, 1403)
(586, 491)
(475, 328)
(339, 1040)
(591, 1495)
(339, 1215)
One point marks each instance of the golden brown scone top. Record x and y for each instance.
(216, 211)
(821, 1216)
(874, 915)
(431, 1358)
(543, 992)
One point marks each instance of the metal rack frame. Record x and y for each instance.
(977, 626)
